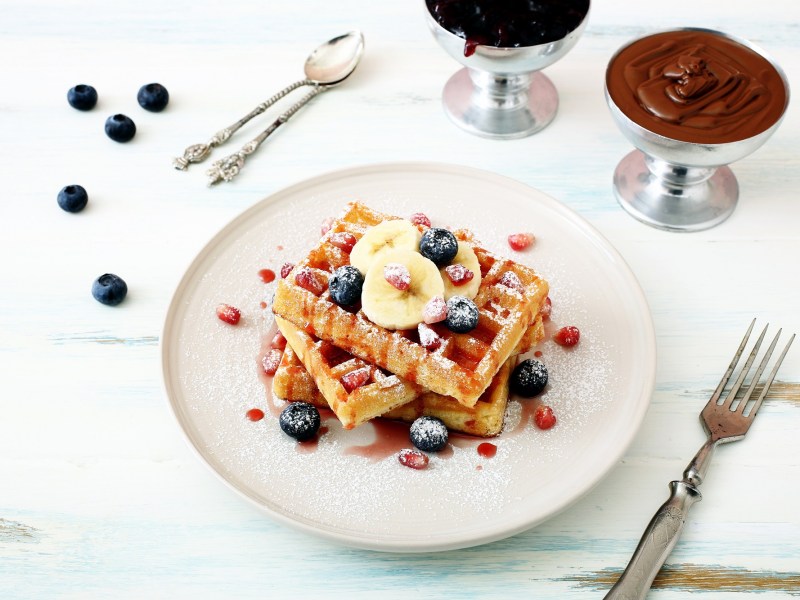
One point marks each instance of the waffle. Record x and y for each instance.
(466, 362)
(385, 395)
(325, 365)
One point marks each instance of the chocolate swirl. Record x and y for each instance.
(696, 86)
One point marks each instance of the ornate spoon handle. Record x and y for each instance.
(227, 168)
(198, 152)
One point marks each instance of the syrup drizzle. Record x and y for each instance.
(487, 449)
(390, 438)
(254, 414)
(270, 400)
(309, 446)
(267, 275)
(526, 415)
(549, 328)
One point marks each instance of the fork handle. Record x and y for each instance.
(656, 544)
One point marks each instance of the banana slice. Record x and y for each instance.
(391, 308)
(383, 237)
(465, 257)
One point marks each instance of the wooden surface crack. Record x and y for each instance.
(13, 531)
(98, 338)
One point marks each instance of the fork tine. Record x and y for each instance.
(717, 392)
(745, 369)
(771, 377)
(757, 375)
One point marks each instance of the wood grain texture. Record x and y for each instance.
(99, 495)
(696, 578)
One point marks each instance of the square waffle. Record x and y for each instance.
(385, 395)
(325, 365)
(465, 364)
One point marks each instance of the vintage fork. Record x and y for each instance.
(725, 420)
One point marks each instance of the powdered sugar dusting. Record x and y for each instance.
(214, 376)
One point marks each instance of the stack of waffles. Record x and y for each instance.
(464, 382)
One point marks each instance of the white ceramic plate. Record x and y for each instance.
(599, 390)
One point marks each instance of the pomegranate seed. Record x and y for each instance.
(428, 338)
(278, 341)
(459, 274)
(228, 313)
(271, 361)
(544, 417)
(355, 379)
(326, 226)
(547, 308)
(397, 275)
(520, 241)
(414, 459)
(343, 240)
(286, 268)
(511, 280)
(487, 450)
(435, 310)
(420, 219)
(308, 280)
(567, 336)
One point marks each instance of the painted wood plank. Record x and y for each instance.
(100, 498)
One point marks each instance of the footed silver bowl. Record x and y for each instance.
(500, 92)
(681, 186)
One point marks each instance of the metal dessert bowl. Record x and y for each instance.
(679, 185)
(500, 92)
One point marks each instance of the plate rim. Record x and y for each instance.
(363, 540)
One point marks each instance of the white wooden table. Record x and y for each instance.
(99, 495)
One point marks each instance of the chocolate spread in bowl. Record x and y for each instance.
(696, 86)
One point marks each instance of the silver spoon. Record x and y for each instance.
(328, 65)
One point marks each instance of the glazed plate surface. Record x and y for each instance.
(349, 486)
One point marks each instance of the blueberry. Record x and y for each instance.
(109, 289)
(300, 420)
(345, 285)
(462, 314)
(120, 128)
(529, 378)
(428, 434)
(73, 198)
(82, 97)
(153, 97)
(438, 245)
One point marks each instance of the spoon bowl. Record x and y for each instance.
(335, 60)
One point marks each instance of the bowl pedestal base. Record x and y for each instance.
(500, 106)
(674, 197)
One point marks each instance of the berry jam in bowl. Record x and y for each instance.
(691, 101)
(503, 46)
